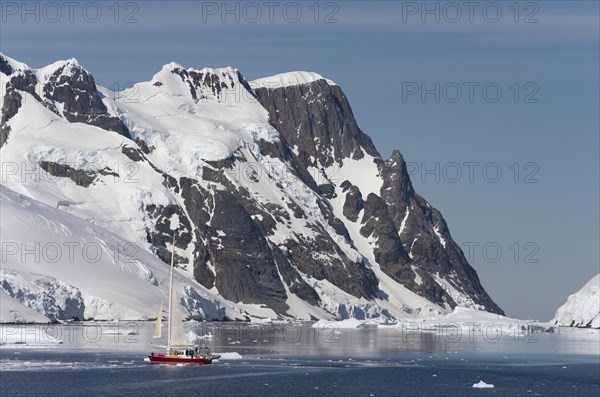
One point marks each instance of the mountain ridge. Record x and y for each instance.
(285, 206)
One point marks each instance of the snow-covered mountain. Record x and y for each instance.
(582, 308)
(282, 206)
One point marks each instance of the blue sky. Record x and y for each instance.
(544, 218)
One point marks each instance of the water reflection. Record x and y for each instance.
(306, 339)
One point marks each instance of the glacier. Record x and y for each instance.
(582, 309)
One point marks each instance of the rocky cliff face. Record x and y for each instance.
(413, 243)
(316, 120)
(279, 203)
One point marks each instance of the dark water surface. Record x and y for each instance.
(296, 360)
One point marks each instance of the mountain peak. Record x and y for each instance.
(9, 65)
(175, 79)
(171, 66)
(396, 155)
(289, 79)
(67, 68)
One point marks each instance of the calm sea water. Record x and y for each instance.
(297, 360)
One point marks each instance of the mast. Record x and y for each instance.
(171, 297)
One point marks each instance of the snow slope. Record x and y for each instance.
(186, 131)
(582, 308)
(63, 266)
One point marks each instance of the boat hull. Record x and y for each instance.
(164, 359)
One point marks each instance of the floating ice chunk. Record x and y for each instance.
(230, 356)
(482, 385)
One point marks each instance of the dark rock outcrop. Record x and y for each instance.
(317, 119)
(425, 236)
(5, 66)
(162, 235)
(321, 257)
(238, 251)
(353, 204)
(388, 251)
(10, 107)
(81, 177)
(74, 88)
(204, 83)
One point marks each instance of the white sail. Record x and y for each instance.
(178, 337)
(157, 324)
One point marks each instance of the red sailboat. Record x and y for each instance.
(178, 349)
